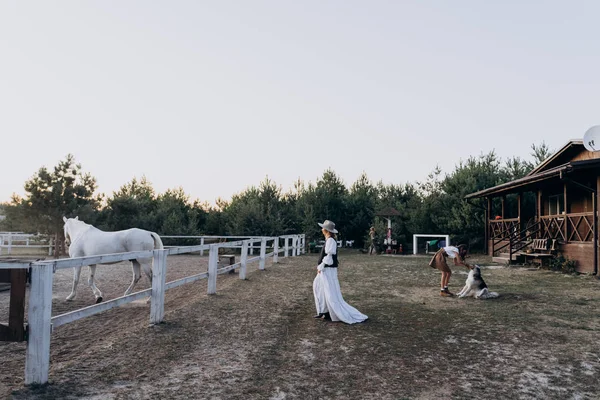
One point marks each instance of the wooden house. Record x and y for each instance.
(562, 196)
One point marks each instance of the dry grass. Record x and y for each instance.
(257, 339)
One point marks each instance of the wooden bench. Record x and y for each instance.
(541, 250)
(230, 258)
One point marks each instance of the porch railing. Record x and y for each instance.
(499, 228)
(574, 227)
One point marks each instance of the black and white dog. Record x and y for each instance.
(476, 287)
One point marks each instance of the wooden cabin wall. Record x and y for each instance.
(582, 252)
(586, 155)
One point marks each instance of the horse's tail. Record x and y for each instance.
(158, 244)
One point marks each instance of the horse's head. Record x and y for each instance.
(68, 228)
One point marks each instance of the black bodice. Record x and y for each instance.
(322, 256)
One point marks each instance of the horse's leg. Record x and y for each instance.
(135, 266)
(147, 267)
(91, 284)
(76, 273)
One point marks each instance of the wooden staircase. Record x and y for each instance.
(507, 245)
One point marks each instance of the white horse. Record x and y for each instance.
(85, 240)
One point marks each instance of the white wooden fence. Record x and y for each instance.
(11, 240)
(40, 320)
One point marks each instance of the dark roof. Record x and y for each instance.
(388, 212)
(513, 186)
(568, 149)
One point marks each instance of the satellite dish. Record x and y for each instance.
(591, 139)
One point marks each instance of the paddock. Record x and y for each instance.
(256, 339)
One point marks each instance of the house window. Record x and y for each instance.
(557, 204)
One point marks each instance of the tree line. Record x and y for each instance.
(435, 205)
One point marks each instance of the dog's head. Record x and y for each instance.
(476, 271)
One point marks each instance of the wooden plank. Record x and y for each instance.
(16, 315)
(244, 259)
(100, 259)
(188, 249)
(37, 360)
(275, 250)
(212, 268)
(6, 334)
(183, 281)
(228, 268)
(98, 308)
(157, 298)
(14, 265)
(263, 250)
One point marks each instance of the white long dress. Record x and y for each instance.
(326, 288)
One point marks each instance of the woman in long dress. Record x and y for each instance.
(326, 287)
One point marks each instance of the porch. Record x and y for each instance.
(559, 204)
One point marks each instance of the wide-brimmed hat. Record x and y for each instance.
(328, 226)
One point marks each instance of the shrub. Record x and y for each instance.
(563, 264)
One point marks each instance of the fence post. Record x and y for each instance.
(201, 244)
(263, 253)
(213, 259)
(243, 259)
(9, 243)
(37, 361)
(159, 271)
(50, 246)
(276, 250)
(294, 245)
(286, 248)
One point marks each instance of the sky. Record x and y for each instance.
(215, 96)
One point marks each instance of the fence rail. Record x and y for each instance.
(19, 240)
(40, 320)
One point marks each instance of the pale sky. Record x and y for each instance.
(214, 96)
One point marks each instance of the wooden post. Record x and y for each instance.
(294, 244)
(566, 211)
(488, 213)
(303, 244)
(244, 257)
(213, 259)
(276, 250)
(540, 233)
(37, 361)
(263, 252)
(286, 249)
(503, 202)
(201, 244)
(9, 243)
(159, 272)
(519, 227)
(595, 208)
(16, 314)
(50, 247)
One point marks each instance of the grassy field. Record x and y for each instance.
(257, 339)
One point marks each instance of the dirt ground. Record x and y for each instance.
(256, 339)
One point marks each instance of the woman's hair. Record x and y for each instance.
(462, 247)
(331, 234)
